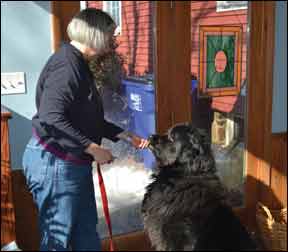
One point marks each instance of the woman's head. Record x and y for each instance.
(93, 28)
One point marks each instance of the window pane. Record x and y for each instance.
(131, 105)
(216, 44)
(224, 44)
(116, 17)
(110, 4)
(112, 7)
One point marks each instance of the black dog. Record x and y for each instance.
(185, 208)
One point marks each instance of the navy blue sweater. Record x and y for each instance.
(69, 109)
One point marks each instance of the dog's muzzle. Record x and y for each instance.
(153, 139)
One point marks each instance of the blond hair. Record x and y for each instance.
(91, 27)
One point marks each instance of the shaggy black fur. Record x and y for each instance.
(184, 207)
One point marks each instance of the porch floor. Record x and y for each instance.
(135, 241)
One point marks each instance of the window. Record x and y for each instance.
(231, 5)
(83, 5)
(114, 9)
(220, 60)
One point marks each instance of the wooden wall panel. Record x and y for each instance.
(8, 233)
(267, 153)
(278, 168)
(27, 232)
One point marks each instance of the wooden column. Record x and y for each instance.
(61, 14)
(8, 233)
(173, 59)
(260, 86)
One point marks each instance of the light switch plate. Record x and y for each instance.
(13, 83)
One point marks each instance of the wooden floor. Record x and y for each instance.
(136, 241)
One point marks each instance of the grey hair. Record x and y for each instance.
(91, 27)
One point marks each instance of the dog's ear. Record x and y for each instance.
(189, 125)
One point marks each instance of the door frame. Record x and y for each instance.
(260, 84)
(173, 102)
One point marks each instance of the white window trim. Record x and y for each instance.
(118, 29)
(219, 6)
(83, 5)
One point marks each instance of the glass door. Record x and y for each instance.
(219, 32)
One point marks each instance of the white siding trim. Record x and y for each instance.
(231, 5)
(83, 5)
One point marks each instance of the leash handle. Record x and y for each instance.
(105, 206)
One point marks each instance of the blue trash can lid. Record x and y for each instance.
(138, 84)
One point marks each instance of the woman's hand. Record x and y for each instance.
(100, 155)
(135, 140)
(139, 142)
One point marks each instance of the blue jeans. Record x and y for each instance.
(64, 195)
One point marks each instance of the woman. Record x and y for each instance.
(67, 130)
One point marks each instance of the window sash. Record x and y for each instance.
(114, 9)
(231, 5)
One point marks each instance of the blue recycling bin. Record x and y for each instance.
(193, 86)
(193, 92)
(141, 101)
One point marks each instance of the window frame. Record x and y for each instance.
(205, 91)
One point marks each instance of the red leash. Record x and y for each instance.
(105, 206)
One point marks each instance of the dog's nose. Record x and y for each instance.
(153, 138)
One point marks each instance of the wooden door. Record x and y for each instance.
(266, 170)
(267, 153)
(266, 163)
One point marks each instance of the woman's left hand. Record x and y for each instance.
(139, 142)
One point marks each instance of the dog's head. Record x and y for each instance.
(184, 147)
